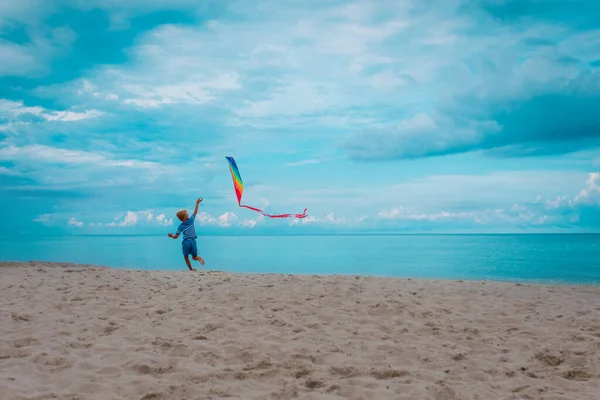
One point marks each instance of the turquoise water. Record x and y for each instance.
(554, 258)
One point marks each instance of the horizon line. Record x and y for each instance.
(322, 234)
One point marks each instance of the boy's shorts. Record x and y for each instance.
(189, 247)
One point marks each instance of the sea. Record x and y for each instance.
(541, 258)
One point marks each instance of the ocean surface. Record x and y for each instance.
(541, 258)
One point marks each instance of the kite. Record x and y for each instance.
(238, 185)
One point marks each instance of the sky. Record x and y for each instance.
(378, 116)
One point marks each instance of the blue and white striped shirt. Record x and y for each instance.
(188, 229)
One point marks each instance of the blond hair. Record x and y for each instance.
(181, 213)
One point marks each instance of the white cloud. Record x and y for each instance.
(72, 115)
(304, 162)
(265, 202)
(44, 218)
(329, 219)
(131, 219)
(391, 214)
(162, 219)
(517, 214)
(17, 108)
(252, 222)
(450, 190)
(191, 92)
(560, 201)
(44, 44)
(73, 221)
(227, 219)
(249, 223)
(401, 213)
(172, 65)
(137, 218)
(419, 136)
(37, 152)
(309, 219)
(9, 171)
(559, 210)
(588, 196)
(591, 193)
(205, 219)
(147, 103)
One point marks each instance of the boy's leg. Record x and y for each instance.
(185, 245)
(198, 258)
(194, 251)
(189, 264)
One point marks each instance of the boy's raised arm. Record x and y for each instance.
(197, 204)
(175, 236)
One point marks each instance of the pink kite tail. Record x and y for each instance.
(303, 215)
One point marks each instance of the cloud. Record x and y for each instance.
(400, 213)
(591, 194)
(74, 222)
(419, 136)
(304, 162)
(17, 109)
(25, 59)
(128, 219)
(227, 219)
(249, 223)
(253, 222)
(42, 153)
(519, 216)
(71, 115)
(55, 37)
(582, 209)
(329, 220)
(191, 92)
(162, 219)
(205, 219)
(131, 218)
(555, 119)
(44, 218)
(265, 202)
(9, 171)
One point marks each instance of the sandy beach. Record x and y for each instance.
(84, 332)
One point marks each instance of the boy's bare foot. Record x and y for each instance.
(198, 258)
(193, 269)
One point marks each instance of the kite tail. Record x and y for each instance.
(303, 215)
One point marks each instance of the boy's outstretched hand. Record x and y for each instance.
(197, 204)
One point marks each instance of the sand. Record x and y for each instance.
(83, 332)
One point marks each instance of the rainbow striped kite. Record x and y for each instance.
(238, 185)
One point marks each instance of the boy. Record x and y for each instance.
(188, 244)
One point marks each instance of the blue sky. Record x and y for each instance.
(407, 116)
